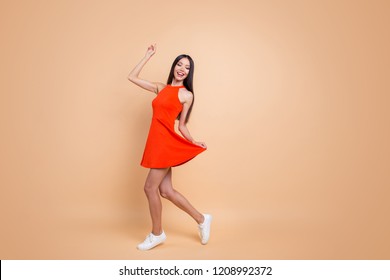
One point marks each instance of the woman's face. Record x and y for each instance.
(182, 68)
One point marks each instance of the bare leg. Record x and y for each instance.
(167, 191)
(152, 183)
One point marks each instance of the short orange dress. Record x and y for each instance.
(164, 147)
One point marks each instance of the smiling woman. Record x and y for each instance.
(182, 71)
(165, 148)
(291, 96)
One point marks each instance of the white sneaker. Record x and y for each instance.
(204, 229)
(152, 241)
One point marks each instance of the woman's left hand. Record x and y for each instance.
(201, 144)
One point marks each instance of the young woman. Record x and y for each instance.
(165, 148)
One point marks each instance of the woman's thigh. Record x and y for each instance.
(155, 177)
(166, 183)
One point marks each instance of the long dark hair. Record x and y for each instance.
(187, 81)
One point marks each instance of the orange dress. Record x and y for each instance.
(164, 147)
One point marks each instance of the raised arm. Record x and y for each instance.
(145, 84)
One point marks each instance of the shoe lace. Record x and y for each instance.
(149, 238)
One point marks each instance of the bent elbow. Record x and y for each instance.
(181, 128)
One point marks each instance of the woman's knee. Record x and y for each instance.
(167, 194)
(149, 188)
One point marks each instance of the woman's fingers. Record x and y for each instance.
(151, 50)
(201, 144)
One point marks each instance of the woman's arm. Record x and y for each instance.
(182, 124)
(133, 76)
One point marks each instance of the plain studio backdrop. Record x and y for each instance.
(291, 98)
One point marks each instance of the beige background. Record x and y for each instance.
(291, 97)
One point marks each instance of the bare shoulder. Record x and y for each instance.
(185, 96)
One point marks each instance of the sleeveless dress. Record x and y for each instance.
(164, 147)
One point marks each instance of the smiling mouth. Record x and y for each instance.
(180, 74)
